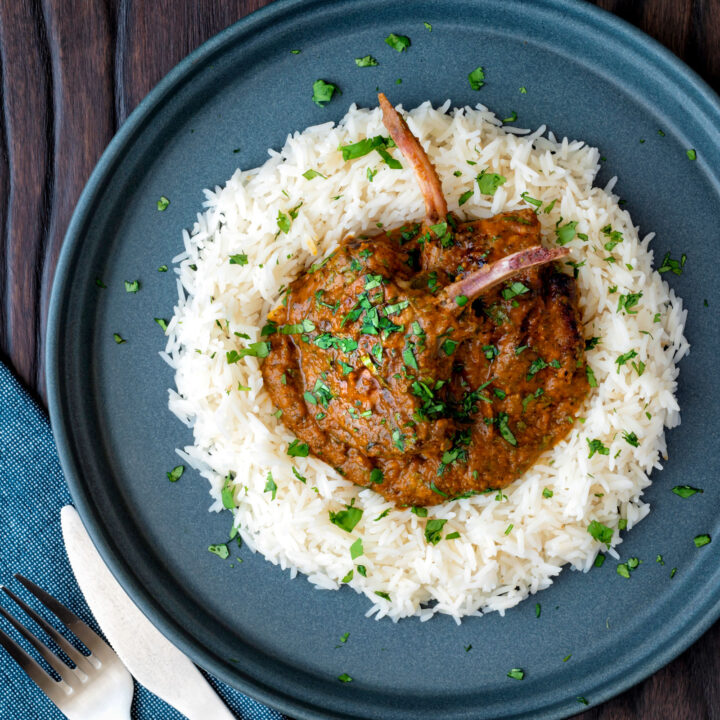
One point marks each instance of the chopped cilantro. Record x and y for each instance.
(531, 200)
(367, 61)
(383, 594)
(258, 349)
(465, 197)
(685, 491)
(476, 78)
(310, 174)
(615, 237)
(548, 208)
(270, 486)
(599, 560)
(489, 182)
(631, 438)
(437, 490)
(428, 26)
(625, 302)
(322, 92)
(298, 449)
(516, 674)
(623, 570)
(596, 446)
(345, 678)
(228, 494)
(622, 359)
(513, 290)
(505, 432)
(176, 473)
(396, 307)
(398, 42)
(692, 155)
(283, 222)
(449, 347)
(547, 493)
(346, 519)
(376, 476)
(162, 203)
(701, 540)
(305, 326)
(670, 265)
(566, 233)
(356, 549)
(119, 339)
(443, 235)
(535, 367)
(601, 533)
(348, 577)
(433, 528)
(132, 287)
(239, 259)
(592, 381)
(363, 147)
(390, 161)
(220, 550)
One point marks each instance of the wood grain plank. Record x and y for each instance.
(4, 214)
(81, 38)
(163, 33)
(27, 118)
(703, 49)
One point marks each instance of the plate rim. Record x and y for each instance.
(702, 617)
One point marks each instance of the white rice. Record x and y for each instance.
(489, 567)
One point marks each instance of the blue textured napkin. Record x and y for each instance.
(32, 491)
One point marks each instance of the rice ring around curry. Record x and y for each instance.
(463, 556)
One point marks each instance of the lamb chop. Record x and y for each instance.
(405, 360)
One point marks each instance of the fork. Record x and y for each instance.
(99, 687)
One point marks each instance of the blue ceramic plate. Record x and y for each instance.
(587, 76)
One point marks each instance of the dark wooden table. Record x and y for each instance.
(72, 71)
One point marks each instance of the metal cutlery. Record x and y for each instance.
(98, 687)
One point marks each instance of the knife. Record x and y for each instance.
(149, 656)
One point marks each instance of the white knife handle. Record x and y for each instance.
(199, 705)
(207, 707)
(149, 656)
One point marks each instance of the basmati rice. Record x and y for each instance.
(223, 306)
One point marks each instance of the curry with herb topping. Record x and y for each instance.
(434, 361)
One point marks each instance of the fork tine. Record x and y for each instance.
(77, 657)
(65, 672)
(54, 690)
(71, 620)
